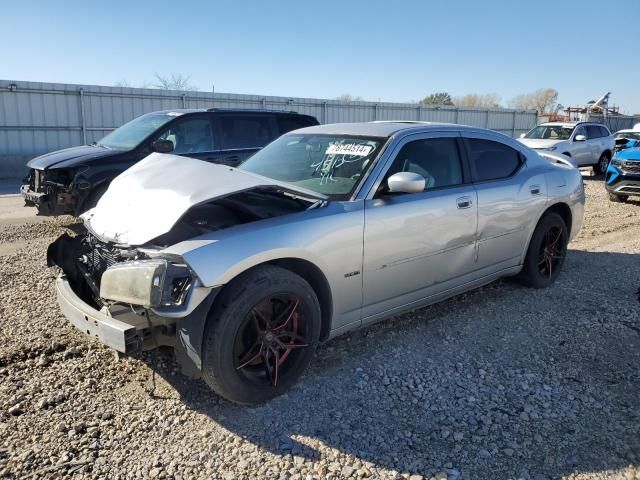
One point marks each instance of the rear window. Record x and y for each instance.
(604, 132)
(491, 160)
(286, 123)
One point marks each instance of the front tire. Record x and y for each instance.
(601, 167)
(617, 198)
(546, 253)
(261, 335)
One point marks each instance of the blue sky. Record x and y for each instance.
(392, 51)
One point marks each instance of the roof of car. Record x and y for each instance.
(569, 124)
(182, 111)
(377, 129)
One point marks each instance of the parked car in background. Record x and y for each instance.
(623, 175)
(627, 138)
(71, 181)
(244, 270)
(590, 144)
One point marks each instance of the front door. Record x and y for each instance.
(417, 244)
(192, 136)
(581, 151)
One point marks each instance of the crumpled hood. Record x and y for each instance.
(629, 154)
(539, 143)
(70, 157)
(146, 200)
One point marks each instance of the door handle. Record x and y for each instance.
(534, 189)
(464, 202)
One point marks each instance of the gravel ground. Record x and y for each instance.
(502, 382)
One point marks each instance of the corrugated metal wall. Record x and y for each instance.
(36, 118)
(616, 123)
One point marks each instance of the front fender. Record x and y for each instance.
(330, 238)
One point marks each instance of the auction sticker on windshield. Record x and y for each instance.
(349, 149)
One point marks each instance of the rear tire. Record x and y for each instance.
(546, 253)
(601, 167)
(617, 198)
(267, 309)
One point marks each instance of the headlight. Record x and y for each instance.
(616, 161)
(149, 283)
(550, 149)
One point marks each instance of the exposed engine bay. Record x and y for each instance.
(243, 207)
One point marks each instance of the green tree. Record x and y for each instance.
(440, 98)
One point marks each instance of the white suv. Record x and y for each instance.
(589, 144)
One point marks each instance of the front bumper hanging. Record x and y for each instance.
(116, 334)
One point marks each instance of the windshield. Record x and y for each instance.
(629, 135)
(132, 133)
(550, 132)
(329, 164)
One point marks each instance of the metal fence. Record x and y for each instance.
(36, 118)
(617, 122)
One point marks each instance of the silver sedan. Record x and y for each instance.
(243, 271)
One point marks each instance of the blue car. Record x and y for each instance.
(623, 174)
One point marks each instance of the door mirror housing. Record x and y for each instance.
(406, 182)
(162, 146)
(579, 138)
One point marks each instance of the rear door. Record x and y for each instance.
(507, 194)
(287, 123)
(595, 141)
(243, 134)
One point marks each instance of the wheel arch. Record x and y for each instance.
(319, 283)
(562, 209)
(309, 272)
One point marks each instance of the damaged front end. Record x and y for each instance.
(53, 192)
(121, 279)
(130, 300)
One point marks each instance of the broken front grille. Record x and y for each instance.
(633, 167)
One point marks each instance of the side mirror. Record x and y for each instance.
(162, 146)
(406, 182)
(579, 138)
(522, 135)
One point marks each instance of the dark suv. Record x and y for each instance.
(72, 180)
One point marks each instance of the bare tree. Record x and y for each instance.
(544, 100)
(439, 98)
(175, 82)
(486, 100)
(347, 97)
(122, 83)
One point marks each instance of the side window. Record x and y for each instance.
(581, 131)
(436, 159)
(245, 131)
(491, 160)
(286, 123)
(191, 135)
(593, 131)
